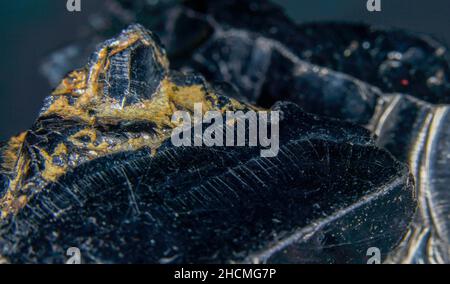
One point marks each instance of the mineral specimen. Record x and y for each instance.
(123, 100)
(98, 172)
(394, 83)
(206, 35)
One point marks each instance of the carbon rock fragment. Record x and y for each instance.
(418, 132)
(202, 34)
(98, 171)
(123, 100)
(395, 83)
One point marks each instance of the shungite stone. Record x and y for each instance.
(418, 132)
(120, 101)
(204, 34)
(393, 82)
(98, 171)
(218, 205)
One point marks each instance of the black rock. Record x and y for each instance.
(346, 71)
(98, 171)
(326, 198)
(417, 132)
(203, 34)
(122, 100)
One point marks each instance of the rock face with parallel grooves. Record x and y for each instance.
(418, 132)
(394, 83)
(98, 171)
(123, 100)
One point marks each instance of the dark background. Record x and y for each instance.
(30, 29)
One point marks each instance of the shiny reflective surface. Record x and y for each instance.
(345, 71)
(97, 171)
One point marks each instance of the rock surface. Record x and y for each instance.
(394, 83)
(97, 171)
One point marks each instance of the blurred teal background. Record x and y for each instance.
(30, 29)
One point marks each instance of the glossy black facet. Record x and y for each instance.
(324, 192)
(330, 194)
(342, 70)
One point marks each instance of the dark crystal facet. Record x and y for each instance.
(101, 174)
(220, 205)
(346, 71)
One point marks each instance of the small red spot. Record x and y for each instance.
(404, 82)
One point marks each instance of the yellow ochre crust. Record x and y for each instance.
(79, 97)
